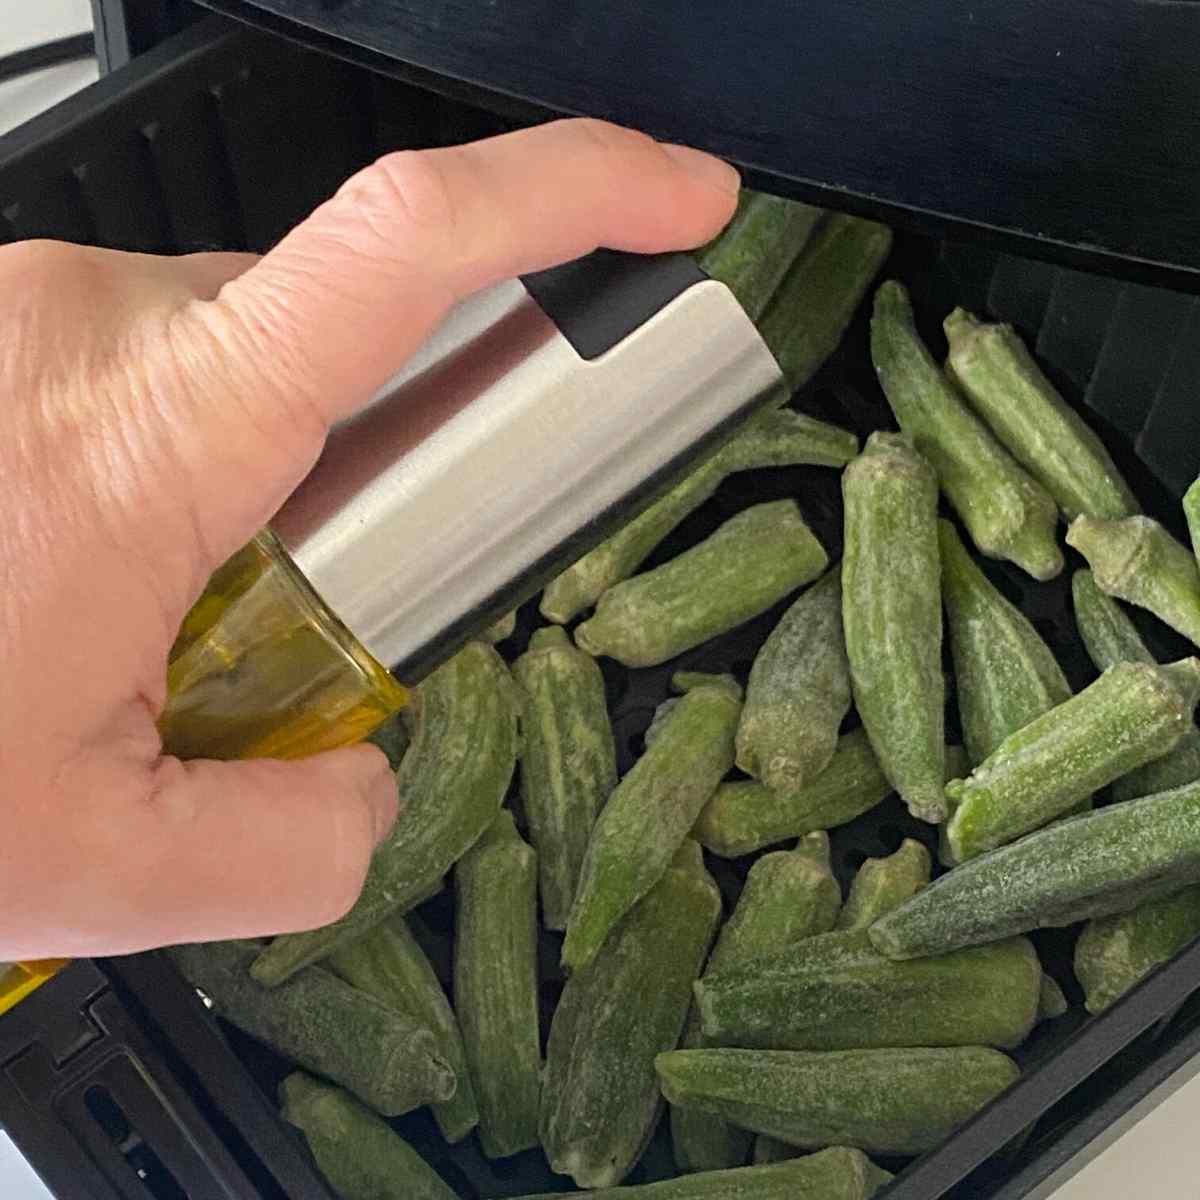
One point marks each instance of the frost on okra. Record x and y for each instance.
(1042, 431)
(1131, 715)
(568, 761)
(600, 1097)
(496, 985)
(1008, 514)
(1110, 638)
(651, 812)
(883, 884)
(887, 1101)
(769, 439)
(1108, 861)
(751, 562)
(798, 692)
(892, 616)
(788, 896)
(1137, 560)
(452, 781)
(358, 1152)
(1005, 673)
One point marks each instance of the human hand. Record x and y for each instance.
(158, 412)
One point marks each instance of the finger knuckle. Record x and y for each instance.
(409, 188)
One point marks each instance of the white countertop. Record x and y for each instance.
(1159, 1157)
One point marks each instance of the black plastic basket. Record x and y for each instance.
(118, 1082)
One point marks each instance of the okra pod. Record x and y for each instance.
(885, 1101)
(1008, 514)
(1051, 1002)
(568, 761)
(1108, 861)
(744, 817)
(496, 985)
(769, 439)
(751, 562)
(814, 304)
(452, 782)
(798, 692)
(1132, 714)
(392, 738)
(389, 964)
(1191, 511)
(651, 813)
(1005, 672)
(835, 1174)
(1110, 638)
(1114, 953)
(1139, 561)
(788, 895)
(754, 251)
(600, 1098)
(1045, 434)
(359, 1153)
(501, 630)
(892, 615)
(383, 1056)
(883, 884)
(836, 992)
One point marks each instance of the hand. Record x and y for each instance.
(157, 412)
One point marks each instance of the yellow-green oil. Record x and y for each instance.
(262, 669)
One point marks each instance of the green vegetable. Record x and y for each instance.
(392, 738)
(834, 1174)
(502, 629)
(1110, 638)
(600, 1098)
(651, 813)
(1132, 714)
(770, 439)
(758, 245)
(1006, 674)
(1107, 861)
(1139, 561)
(750, 563)
(812, 307)
(326, 1026)
(1008, 514)
(836, 992)
(390, 965)
(887, 1101)
(452, 781)
(360, 1154)
(1051, 1003)
(788, 896)
(1048, 437)
(496, 985)
(743, 817)
(798, 693)
(892, 614)
(1191, 510)
(885, 883)
(568, 761)
(1116, 952)
(772, 1150)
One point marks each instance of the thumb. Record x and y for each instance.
(304, 337)
(243, 849)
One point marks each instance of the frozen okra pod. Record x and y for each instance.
(1131, 715)
(883, 884)
(750, 563)
(1108, 861)
(1043, 432)
(892, 616)
(568, 761)
(651, 812)
(798, 692)
(452, 781)
(358, 1152)
(600, 1096)
(496, 985)
(1137, 560)
(1008, 514)
(889, 1101)
(389, 964)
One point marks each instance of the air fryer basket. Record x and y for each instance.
(223, 138)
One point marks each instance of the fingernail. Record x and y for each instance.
(385, 804)
(707, 167)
